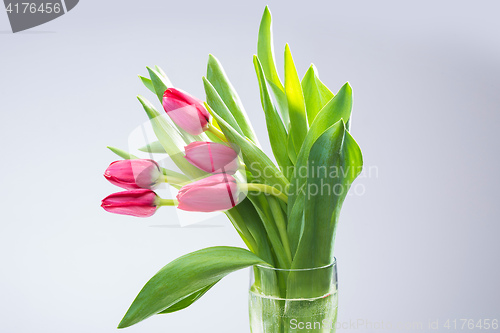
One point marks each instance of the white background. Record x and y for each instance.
(421, 243)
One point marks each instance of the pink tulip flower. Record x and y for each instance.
(138, 202)
(214, 193)
(186, 111)
(134, 174)
(212, 157)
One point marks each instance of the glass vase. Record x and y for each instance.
(293, 300)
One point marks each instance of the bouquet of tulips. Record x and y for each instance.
(286, 211)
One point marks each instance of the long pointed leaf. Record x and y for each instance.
(275, 128)
(148, 83)
(162, 73)
(316, 94)
(265, 52)
(184, 276)
(219, 107)
(218, 78)
(160, 82)
(122, 153)
(188, 300)
(154, 148)
(295, 101)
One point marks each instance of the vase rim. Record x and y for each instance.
(334, 263)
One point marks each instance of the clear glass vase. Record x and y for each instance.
(293, 300)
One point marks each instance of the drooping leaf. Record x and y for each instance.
(188, 300)
(276, 130)
(295, 102)
(219, 80)
(316, 94)
(185, 276)
(265, 52)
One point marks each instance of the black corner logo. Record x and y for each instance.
(26, 14)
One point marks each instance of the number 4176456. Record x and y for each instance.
(470, 324)
(29, 7)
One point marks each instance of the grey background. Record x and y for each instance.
(421, 243)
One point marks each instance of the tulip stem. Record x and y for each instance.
(212, 129)
(174, 180)
(279, 218)
(263, 188)
(168, 202)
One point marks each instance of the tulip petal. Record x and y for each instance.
(139, 203)
(186, 111)
(212, 157)
(134, 173)
(214, 193)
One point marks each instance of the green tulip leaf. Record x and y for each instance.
(290, 148)
(148, 83)
(278, 136)
(188, 300)
(338, 108)
(316, 94)
(153, 148)
(219, 80)
(122, 153)
(162, 73)
(295, 101)
(265, 52)
(335, 160)
(247, 222)
(183, 277)
(219, 107)
(160, 83)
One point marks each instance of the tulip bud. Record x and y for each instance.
(217, 192)
(139, 202)
(134, 174)
(212, 157)
(186, 111)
